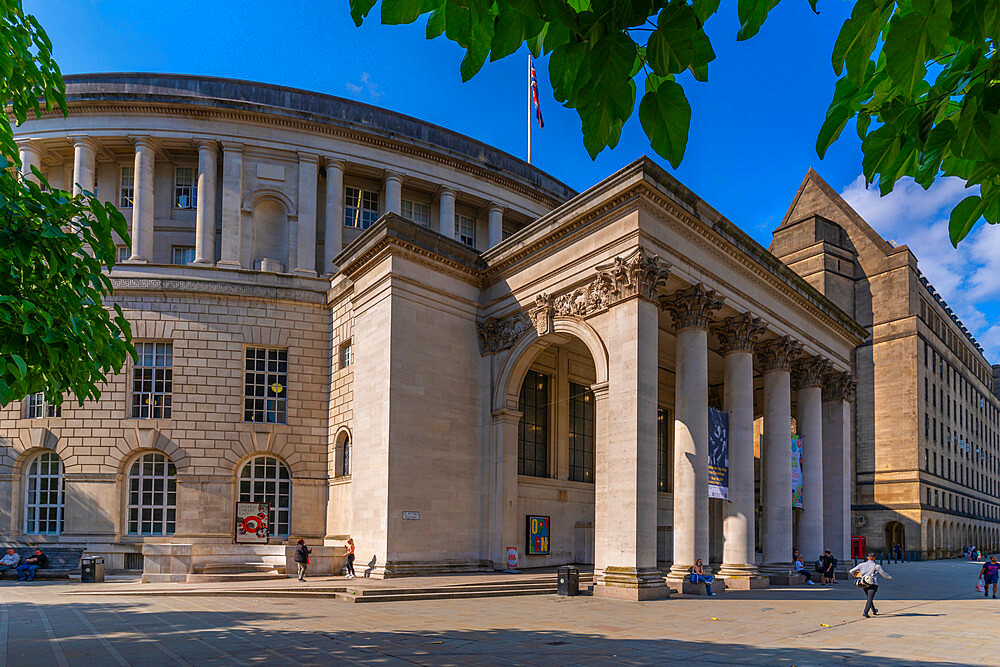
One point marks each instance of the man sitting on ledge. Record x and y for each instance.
(10, 560)
(32, 564)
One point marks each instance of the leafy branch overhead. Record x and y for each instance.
(919, 76)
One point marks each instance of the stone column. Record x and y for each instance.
(204, 241)
(394, 193)
(809, 374)
(334, 238)
(305, 263)
(838, 393)
(495, 234)
(737, 336)
(232, 202)
(776, 360)
(142, 201)
(84, 159)
(504, 520)
(447, 206)
(690, 310)
(30, 157)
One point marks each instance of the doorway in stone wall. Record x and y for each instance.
(894, 535)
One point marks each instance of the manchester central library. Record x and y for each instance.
(388, 331)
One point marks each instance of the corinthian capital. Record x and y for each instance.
(810, 372)
(840, 386)
(777, 354)
(691, 306)
(739, 333)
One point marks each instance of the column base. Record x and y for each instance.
(228, 264)
(781, 574)
(135, 259)
(680, 572)
(304, 272)
(202, 262)
(738, 570)
(629, 583)
(746, 583)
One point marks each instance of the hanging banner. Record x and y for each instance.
(538, 535)
(251, 523)
(718, 454)
(797, 471)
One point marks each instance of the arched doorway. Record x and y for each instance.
(893, 534)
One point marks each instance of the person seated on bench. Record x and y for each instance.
(10, 560)
(800, 568)
(32, 564)
(698, 575)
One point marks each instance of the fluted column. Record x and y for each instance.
(84, 159)
(232, 203)
(393, 193)
(838, 393)
(690, 310)
(30, 157)
(204, 240)
(776, 360)
(334, 238)
(305, 262)
(495, 229)
(447, 212)
(737, 336)
(142, 201)
(809, 374)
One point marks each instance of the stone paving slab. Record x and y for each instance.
(930, 615)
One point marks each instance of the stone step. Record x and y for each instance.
(442, 594)
(273, 575)
(236, 568)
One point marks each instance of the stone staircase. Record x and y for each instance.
(223, 572)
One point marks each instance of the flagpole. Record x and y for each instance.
(529, 108)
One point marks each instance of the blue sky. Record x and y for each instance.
(752, 136)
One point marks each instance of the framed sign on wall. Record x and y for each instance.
(251, 523)
(537, 530)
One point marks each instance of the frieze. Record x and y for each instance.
(496, 335)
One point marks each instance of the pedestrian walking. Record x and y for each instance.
(302, 558)
(897, 550)
(867, 574)
(350, 558)
(989, 574)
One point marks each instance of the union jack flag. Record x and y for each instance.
(534, 92)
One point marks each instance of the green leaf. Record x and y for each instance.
(670, 48)
(360, 9)
(752, 14)
(435, 24)
(396, 12)
(964, 217)
(912, 38)
(666, 117)
(857, 39)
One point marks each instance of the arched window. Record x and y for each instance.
(152, 495)
(265, 479)
(44, 495)
(345, 463)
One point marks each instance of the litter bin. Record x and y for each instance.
(569, 580)
(92, 569)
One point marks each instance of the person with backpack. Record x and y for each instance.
(867, 574)
(990, 574)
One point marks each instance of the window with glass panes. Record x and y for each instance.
(265, 385)
(122, 253)
(465, 230)
(265, 479)
(360, 208)
(417, 212)
(35, 407)
(664, 469)
(126, 189)
(533, 427)
(152, 495)
(345, 463)
(152, 380)
(346, 355)
(183, 255)
(185, 188)
(44, 495)
(581, 433)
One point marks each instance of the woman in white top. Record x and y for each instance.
(869, 572)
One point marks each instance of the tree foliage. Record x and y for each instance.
(56, 336)
(920, 77)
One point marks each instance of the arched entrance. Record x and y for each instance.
(893, 534)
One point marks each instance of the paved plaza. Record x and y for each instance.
(929, 615)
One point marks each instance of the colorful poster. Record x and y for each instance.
(538, 536)
(251, 523)
(718, 454)
(797, 471)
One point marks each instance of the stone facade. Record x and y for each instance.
(396, 334)
(926, 418)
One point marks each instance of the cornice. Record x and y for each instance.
(216, 288)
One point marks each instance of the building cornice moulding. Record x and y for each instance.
(217, 288)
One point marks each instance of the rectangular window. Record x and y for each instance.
(36, 407)
(465, 230)
(185, 188)
(360, 208)
(533, 427)
(581, 433)
(664, 452)
(126, 191)
(152, 380)
(183, 255)
(346, 358)
(417, 212)
(265, 391)
(122, 253)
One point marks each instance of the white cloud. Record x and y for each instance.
(366, 86)
(968, 277)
